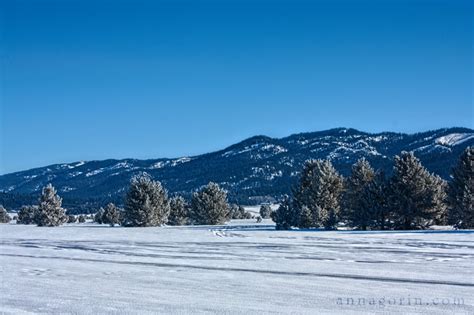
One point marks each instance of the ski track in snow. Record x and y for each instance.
(241, 268)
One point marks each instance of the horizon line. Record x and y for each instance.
(231, 145)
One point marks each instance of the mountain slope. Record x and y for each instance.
(256, 168)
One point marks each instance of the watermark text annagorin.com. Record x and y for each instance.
(400, 301)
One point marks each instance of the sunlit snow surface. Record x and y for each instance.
(454, 139)
(242, 268)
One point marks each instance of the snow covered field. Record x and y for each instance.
(242, 268)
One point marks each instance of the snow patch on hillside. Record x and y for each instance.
(94, 172)
(432, 148)
(454, 139)
(158, 165)
(71, 166)
(67, 188)
(344, 150)
(378, 138)
(120, 165)
(74, 174)
(267, 172)
(30, 176)
(171, 163)
(180, 161)
(263, 150)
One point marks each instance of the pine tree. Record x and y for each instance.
(305, 217)
(4, 217)
(146, 203)
(375, 202)
(440, 195)
(71, 218)
(50, 212)
(179, 211)
(111, 215)
(234, 213)
(320, 190)
(355, 211)
(329, 218)
(99, 215)
(417, 196)
(81, 219)
(284, 216)
(238, 213)
(209, 205)
(461, 192)
(265, 211)
(26, 215)
(243, 214)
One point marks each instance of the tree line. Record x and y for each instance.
(412, 198)
(146, 204)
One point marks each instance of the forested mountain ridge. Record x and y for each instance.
(256, 169)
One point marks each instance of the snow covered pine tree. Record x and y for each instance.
(111, 215)
(320, 190)
(146, 203)
(50, 212)
(179, 211)
(417, 197)
(4, 217)
(461, 192)
(285, 215)
(237, 212)
(209, 205)
(375, 200)
(354, 210)
(99, 215)
(26, 215)
(265, 211)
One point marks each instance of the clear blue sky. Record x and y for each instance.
(84, 79)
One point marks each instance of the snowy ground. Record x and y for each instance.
(242, 268)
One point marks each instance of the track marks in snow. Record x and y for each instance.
(224, 233)
(249, 270)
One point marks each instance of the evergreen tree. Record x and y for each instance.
(329, 218)
(71, 218)
(355, 211)
(244, 215)
(234, 213)
(284, 216)
(179, 211)
(111, 215)
(417, 196)
(146, 203)
(81, 219)
(50, 212)
(375, 202)
(99, 215)
(265, 211)
(320, 191)
(305, 217)
(26, 215)
(237, 212)
(209, 205)
(461, 192)
(4, 217)
(440, 195)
